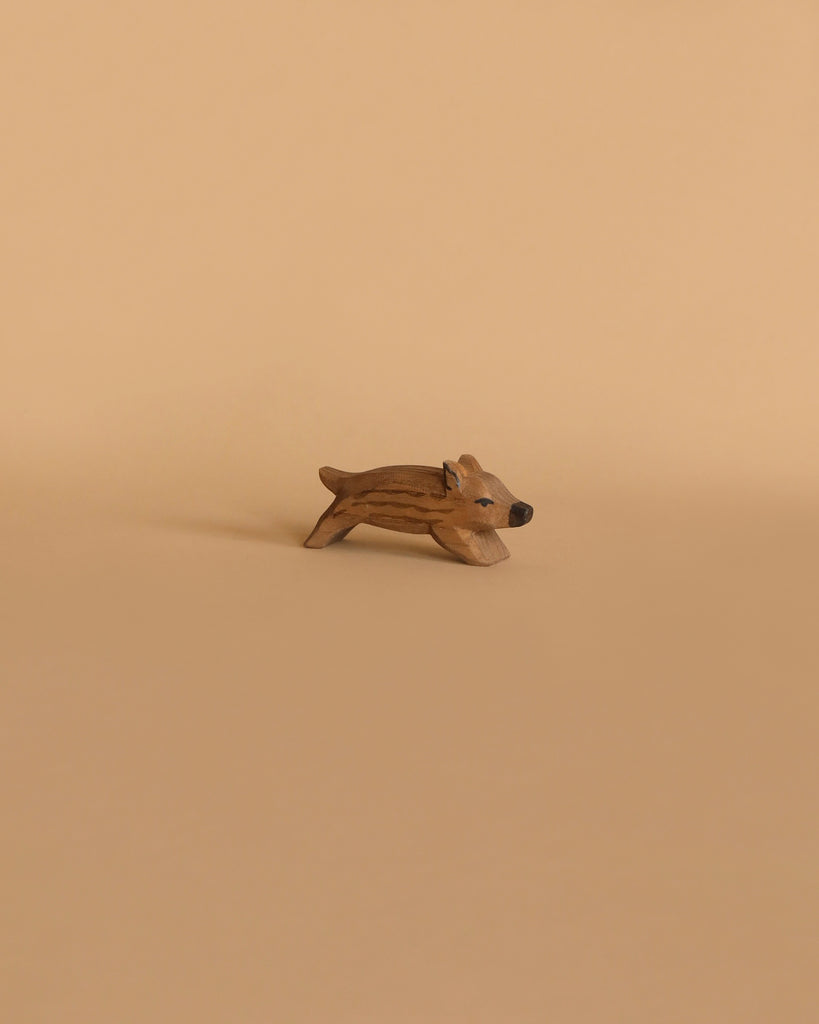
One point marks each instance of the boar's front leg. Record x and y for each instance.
(483, 547)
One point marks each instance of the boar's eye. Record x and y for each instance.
(484, 501)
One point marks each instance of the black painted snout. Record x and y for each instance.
(520, 514)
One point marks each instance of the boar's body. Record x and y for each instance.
(460, 506)
(409, 499)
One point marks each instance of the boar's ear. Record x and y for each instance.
(471, 463)
(454, 474)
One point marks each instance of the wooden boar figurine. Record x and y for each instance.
(461, 506)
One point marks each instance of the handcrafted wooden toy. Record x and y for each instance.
(460, 506)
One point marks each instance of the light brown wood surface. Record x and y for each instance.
(460, 505)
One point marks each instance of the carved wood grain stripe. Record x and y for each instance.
(408, 519)
(396, 490)
(398, 504)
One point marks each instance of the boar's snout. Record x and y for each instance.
(520, 514)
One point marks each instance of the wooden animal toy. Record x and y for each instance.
(460, 506)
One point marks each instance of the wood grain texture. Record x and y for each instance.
(460, 505)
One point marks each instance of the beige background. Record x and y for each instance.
(245, 782)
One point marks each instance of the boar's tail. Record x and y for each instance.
(333, 478)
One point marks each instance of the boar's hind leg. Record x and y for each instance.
(330, 528)
(475, 548)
